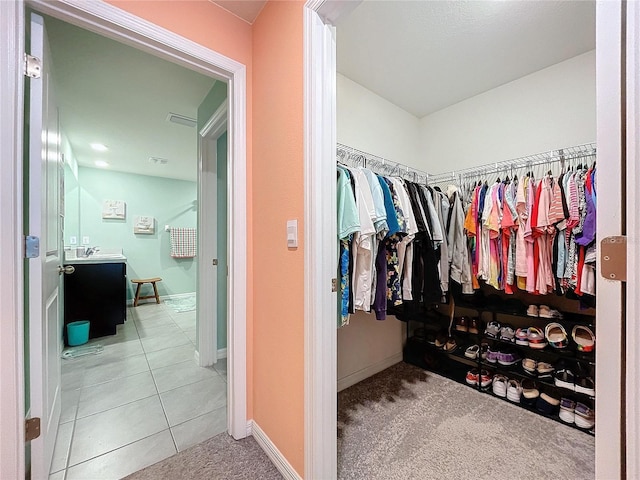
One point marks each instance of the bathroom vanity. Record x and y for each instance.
(96, 291)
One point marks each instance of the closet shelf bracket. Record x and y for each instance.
(613, 258)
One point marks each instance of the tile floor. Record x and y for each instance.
(139, 401)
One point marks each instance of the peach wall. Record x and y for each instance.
(278, 195)
(215, 28)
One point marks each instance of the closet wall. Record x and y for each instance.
(548, 109)
(370, 123)
(552, 108)
(374, 125)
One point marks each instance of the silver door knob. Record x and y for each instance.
(69, 269)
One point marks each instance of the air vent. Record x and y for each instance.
(158, 160)
(181, 120)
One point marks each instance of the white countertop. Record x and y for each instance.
(106, 255)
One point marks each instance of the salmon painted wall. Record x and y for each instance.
(278, 196)
(215, 28)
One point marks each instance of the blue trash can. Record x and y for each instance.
(78, 332)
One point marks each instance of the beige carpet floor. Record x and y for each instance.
(220, 457)
(405, 423)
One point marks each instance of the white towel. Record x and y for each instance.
(183, 242)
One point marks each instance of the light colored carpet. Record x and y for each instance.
(182, 304)
(405, 423)
(220, 457)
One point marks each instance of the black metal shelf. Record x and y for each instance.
(454, 365)
(548, 352)
(515, 370)
(533, 409)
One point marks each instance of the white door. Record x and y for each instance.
(212, 268)
(45, 172)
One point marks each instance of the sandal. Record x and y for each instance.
(529, 365)
(556, 335)
(536, 338)
(451, 345)
(472, 352)
(545, 370)
(584, 338)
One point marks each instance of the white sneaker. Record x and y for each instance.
(514, 391)
(567, 410)
(533, 311)
(500, 385)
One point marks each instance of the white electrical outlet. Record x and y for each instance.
(85, 240)
(73, 240)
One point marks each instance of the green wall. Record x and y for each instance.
(211, 102)
(171, 202)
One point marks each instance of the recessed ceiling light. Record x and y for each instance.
(158, 160)
(181, 119)
(101, 164)
(99, 147)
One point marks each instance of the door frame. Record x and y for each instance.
(109, 21)
(320, 302)
(320, 336)
(207, 351)
(632, 332)
(12, 381)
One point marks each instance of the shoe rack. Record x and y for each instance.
(434, 343)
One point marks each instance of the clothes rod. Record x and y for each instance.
(568, 155)
(354, 157)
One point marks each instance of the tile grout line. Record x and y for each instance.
(133, 317)
(128, 403)
(164, 410)
(75, 420)
(115, 449)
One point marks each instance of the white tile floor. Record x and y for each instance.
(141, 400)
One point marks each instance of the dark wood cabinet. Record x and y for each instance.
(96, 292)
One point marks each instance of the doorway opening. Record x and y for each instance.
(135, 144)
(127, 28)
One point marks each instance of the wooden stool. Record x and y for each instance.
(139, 282)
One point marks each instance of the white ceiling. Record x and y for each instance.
(117, 95)
(426, 55)
(247, 10)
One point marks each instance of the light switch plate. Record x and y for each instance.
(73, 240)
(85, 240)
(292, 233)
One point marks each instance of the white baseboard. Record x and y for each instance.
(276, 457)
(222, 353)
(196, 357)
(249, 427)
(353, 378)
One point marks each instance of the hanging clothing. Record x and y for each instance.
(348, 224)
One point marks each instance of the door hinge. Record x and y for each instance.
(32, 66)
(31, 428)
(613, 258)
(31, 246)
(334, 284)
